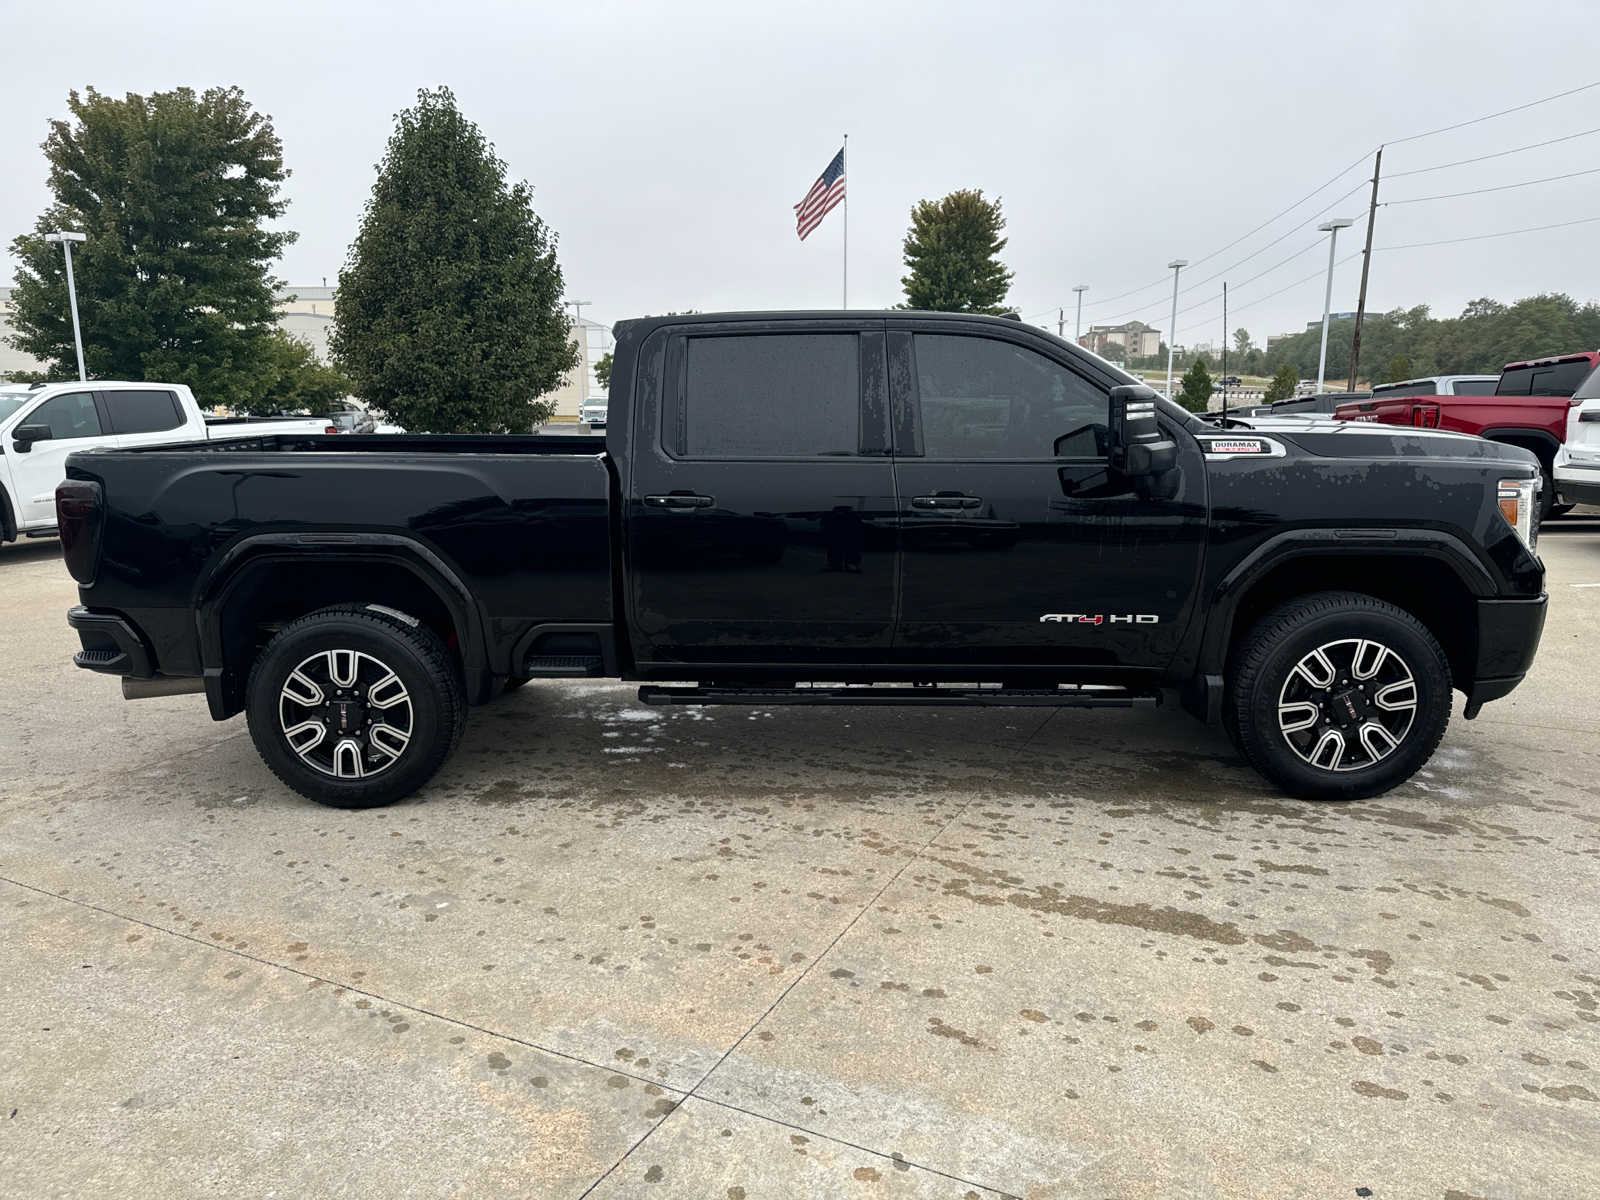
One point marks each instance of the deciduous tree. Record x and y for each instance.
(449, 315)
(1194, 390)
(176, 192)
(951, 255)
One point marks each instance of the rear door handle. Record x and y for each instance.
(946, 500)
(680, 500)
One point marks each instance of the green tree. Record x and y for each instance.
(602, 369)
(1114, 352)
(296, 381)
(176, 192)
(1399, 368)
(449, 315)
(1194, 390)
(1283, 384)
(1241, 342)
(951, 255)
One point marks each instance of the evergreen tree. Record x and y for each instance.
(951, 255)
(1194, 390)
(175, 192)
(1283, 383)
(449, 316)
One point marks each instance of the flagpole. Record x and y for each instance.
(844, 161)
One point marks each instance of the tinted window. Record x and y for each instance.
(983, 398)
(1551, 379)
(772, 396)
(1415, 387)
(143, 411)
(72, 415)
(1474, 387)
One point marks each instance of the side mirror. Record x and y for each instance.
(24, 436)
(1138, 448)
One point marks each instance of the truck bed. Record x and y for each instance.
(393, 443)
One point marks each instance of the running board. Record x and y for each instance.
(951, 697)
(562, 666)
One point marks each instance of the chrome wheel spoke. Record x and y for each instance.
(1397, 697)
(347, 759)
(1317, 669)
(302, 689)
(306, 736)
(388, 740)
(1377, 740)
(1328, 753)
(387, 692)
(1368, 659)
(343, 666)
(1297, 715)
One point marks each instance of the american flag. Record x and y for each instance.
(825, 193)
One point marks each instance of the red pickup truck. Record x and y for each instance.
(1528, 409)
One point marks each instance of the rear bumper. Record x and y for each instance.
(111, 645)
(1508, 638)
(1578, 483)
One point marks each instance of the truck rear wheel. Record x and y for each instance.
(1339, 696)
(355, 707)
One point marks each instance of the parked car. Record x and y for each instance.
(353, 420)
(592, 412)
(1320, 402)
(42, 424)
(1577, 463)
(1440, 385)
(1528, 408)
(789, 506)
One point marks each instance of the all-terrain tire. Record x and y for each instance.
(1276, 680)
(386, 693)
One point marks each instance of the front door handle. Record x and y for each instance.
(680, 500)
(946, 500)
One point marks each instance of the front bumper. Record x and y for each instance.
(1508, 638)
(111, 645)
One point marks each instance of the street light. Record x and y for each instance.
(1175, 266)
(1077, 324)
(1331, 228)
(67, 238)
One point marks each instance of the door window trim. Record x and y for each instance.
(909, 411)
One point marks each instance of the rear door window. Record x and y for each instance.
(784, 395)
(1545, 379)
(988, 399)
(142, 410)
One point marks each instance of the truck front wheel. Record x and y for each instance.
(1339, 696)
(355, 707)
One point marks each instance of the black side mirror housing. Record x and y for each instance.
(1139, 449)
(24, 436)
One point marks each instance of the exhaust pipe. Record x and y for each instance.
(161, 685)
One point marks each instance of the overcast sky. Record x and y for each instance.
(667, 143)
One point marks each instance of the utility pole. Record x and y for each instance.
(1176, 265)
(1224, 351)
(1366, 263)
(1331, 228)
(1061, 322)
(577, 307)
(1077, 324)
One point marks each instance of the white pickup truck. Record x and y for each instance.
(1577, 463)
(41, 424)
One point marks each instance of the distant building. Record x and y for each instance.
(1333, 316)
(12, 360)
(1137, 339)
(1274, 338)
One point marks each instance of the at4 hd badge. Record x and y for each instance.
(1102, 618)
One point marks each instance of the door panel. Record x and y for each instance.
(1020, 546)
(74, 420)
(760, 516)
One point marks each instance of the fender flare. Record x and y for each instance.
(1546, 440)
(1293, 544)
(8, 517)
(216, 585)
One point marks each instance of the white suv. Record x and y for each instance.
(1577, 464)
(592, 412)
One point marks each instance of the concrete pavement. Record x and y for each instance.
(619, 951)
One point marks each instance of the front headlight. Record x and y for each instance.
(1518, 498)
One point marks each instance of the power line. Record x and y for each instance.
(1504, 187)
(1480, 237)
(1498, 154)
(1491, 116)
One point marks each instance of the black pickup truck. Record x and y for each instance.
(822, 508)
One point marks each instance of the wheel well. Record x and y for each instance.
(1542, 445)
(1426, 588)
(8, 517)
(267, 595)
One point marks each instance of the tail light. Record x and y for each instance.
(80, 516)
(1426, 415)
(331, 429)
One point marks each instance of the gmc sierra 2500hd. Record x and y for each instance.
(788, 507)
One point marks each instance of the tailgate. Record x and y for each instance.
(1387, 412)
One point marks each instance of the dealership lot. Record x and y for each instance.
(621, 951)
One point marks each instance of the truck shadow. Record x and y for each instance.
(29, 550)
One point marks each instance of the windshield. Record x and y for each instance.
(11, 400)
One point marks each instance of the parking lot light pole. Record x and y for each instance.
(1176, 265)
(1331, 228)
(1077, 324)
(67, 238)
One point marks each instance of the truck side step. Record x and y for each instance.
(953, 697)
(561, 666)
